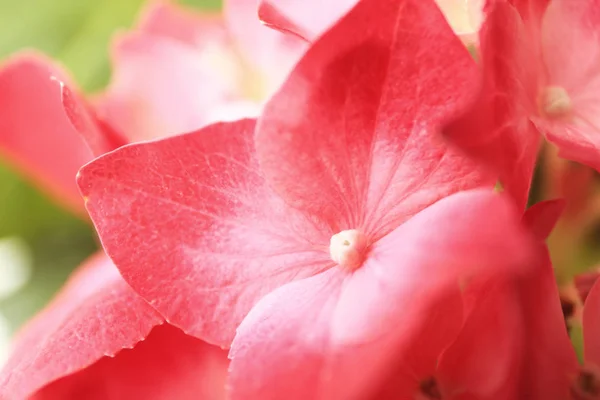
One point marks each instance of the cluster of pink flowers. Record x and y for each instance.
(330, 207)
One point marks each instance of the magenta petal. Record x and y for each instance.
(35, 133)
(97, 314)
(352, 135)
(193, 227)
(166, 365)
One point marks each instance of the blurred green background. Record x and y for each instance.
(77, 33)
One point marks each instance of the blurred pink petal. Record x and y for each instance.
(78, 341)
(540, 75)
(35, 133)
(309, 19)
(181, 70)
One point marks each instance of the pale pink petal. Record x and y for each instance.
(269, 53)
(306, 18)
(162, 87)
(186, 25)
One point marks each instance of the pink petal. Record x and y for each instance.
(175, 22)
(162, 87)
(549, 361)
(330, 338)
(543, 216)
(166, 365)
(193, 227)
(99, 137)
(305, 18)
(352, 135)
(419, 363)
(97, 314)
(484, 360)
(35, 133)
(271, 54)
(571, 53)
(591, 325)
(496, 131)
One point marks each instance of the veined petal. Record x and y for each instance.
(339, 336)
(352, 135)
(193, 227)
(97, 314)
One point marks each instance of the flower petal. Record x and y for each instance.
(543, 216)
(496, 130)
(305, 18)
(193, 227)
(484, 360)
(591, 325)
(332, 336)
(571, 53)
(177, 72)
(168, 364)
(352, 135)
(35, 133)
(99, 137)
(549, 361)
(270, 53)
(310, 19)
(161, 87)
(88, 320)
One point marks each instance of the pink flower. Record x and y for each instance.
(180, 70)
(83, 329)
(538, 59)
(320, 237)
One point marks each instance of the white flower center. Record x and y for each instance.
(554, 102)
(348, 249)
